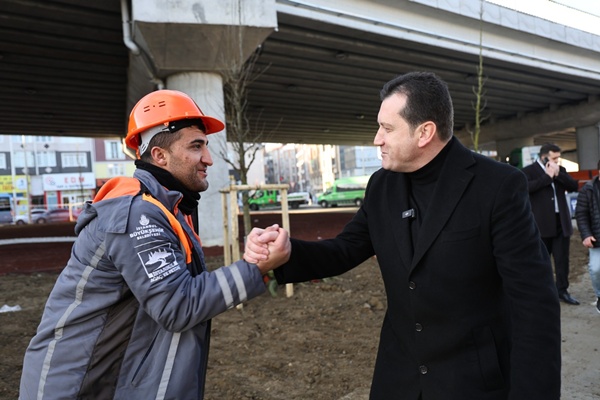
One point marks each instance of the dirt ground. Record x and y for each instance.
(318, 344)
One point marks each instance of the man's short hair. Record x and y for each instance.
(427, 99)
(549, 147)
(165, 139)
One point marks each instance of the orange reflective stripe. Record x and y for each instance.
(183, 238)
(190, 222)
(126, 186)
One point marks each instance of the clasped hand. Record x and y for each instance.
(268, 248)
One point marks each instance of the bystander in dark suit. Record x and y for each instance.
(548, 183)
(473, 312)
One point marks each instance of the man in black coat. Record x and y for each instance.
(548, 183)
(473, 312)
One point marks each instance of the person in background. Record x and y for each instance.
(473, 311)
(548, 183)
(587, 215)
(129, 316)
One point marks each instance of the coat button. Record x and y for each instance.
(423, 369)
(418, 327)
(412, 285)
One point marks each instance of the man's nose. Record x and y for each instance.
(207, 158)
(377, 139)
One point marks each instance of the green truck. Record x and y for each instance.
(265, 198)
(345, 191)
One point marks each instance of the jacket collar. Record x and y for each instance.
(453, 181)
(170, 198)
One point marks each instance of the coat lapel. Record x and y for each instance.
(453, 181)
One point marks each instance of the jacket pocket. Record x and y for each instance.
(489, 364)
(459, 235)
(144, 365)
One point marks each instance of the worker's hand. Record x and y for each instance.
(257, 248)
(589, 242)
(279, 251)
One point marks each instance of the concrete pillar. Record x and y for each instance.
(207, 90)
(504, 147)
(588, 146)
(201, 35)
(189, 43)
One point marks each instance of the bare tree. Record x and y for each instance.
(479, 91)
(244, 138)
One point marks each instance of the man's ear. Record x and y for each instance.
(426, 131)
(159, 156)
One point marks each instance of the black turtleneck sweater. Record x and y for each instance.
(422, 184)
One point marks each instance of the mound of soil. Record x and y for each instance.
(318, 344)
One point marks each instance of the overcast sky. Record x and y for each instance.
(580, 14)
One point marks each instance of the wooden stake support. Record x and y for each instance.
(231, 232)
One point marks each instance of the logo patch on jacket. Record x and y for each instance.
(144, 220)
(146, 230)
(159, 262)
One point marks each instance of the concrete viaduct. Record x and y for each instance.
(76, 68)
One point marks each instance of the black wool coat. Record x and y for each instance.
(541, 196)
(473, 312)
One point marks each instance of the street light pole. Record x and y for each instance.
(14, 177)
(26, 171)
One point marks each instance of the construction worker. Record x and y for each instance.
(129, 316)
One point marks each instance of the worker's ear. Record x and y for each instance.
(426, 131)
(159, 156)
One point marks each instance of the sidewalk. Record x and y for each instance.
(581, 342)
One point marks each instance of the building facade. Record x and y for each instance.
(63, 172)
(313, 168)
(46, 172)
(110, 160)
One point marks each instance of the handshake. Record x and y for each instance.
(268, 248)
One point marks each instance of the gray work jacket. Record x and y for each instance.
(129, 316)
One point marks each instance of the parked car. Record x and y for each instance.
(36, 213)
(58, 215)
(6, 213)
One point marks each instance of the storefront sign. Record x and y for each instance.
(85, 180)
(7, 183)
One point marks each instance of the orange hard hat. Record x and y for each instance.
(161, 107)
